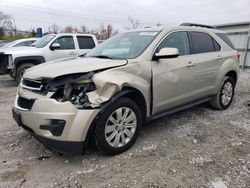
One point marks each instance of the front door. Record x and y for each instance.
(173, 77)
(67, 49)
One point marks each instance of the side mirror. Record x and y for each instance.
(166, 53)
(55, 46)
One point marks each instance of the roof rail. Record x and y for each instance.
(198, 25)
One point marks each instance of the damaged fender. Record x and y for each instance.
(110, 82)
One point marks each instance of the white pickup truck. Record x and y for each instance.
(14, 61)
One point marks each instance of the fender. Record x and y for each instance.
(110, 82)
(31, 59)
(228, 65)
(118, 95)
(35, 59)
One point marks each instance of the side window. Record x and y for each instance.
(85, 42)
(25, 43)
(225, 38)
(66, 42)
(177, 40)
(201, 42)
(216, 46)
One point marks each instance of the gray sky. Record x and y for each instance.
(40, 13)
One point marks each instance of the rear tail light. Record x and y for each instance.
(238, 57)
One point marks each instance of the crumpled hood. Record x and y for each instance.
(61, 67)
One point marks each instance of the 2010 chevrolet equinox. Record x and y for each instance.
(124, 82)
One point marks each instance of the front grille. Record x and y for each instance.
(3, 61)
(32, 84)
(25, 103)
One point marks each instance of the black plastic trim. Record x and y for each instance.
(180, 108)
(198, 25)
(35, 59)
(63, 147)
(56, 127)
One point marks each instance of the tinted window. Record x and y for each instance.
(66, 42)
(225, 38)
(177, 40)
(201, 42)
(85, 42)
(216, 46)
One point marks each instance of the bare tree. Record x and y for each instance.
(102, 33)
(54, 28)
(134, 23)
(83, 29)
(7, 22)
(109, 30)
(69, 29)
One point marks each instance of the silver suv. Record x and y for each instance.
(128, 80)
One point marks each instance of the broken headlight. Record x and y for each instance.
(75, 93)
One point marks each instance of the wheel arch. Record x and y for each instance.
(28, 59)
(127, 91)
(233, 75)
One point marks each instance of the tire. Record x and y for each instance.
(224, 97)
(113, 137)
(20, 70)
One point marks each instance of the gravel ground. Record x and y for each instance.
(199, 147)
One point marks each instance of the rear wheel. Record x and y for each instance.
(224, 97)
(118, 127)
(20, 70)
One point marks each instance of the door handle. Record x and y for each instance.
(190, 64)
(72, 53)
(219, 58)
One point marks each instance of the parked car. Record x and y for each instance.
(126, 81)
(20, 42)
(3, 42)
(14, 61)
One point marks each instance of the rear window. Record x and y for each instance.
(225, 38)
(216, 46)
(201, 42)
(85, 42)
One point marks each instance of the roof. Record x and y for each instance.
(82, 34)
(26, 39)
(157, 29)
(233, 24)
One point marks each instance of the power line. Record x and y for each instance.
(68, 13)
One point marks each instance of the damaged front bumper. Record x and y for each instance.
(58, 125)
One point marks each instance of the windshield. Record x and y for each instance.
(43, 41)
(124, 46)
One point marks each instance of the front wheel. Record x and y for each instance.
(20, 70)
(118, 127)
(224, 97)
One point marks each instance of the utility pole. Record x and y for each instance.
(246, 49)
(158, 24)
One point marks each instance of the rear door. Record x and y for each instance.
(85, 43)
(207, 58)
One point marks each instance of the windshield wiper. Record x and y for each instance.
(102, 56)
(82, 55)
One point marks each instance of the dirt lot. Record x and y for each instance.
(198, 147)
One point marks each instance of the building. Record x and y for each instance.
(239, 33)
